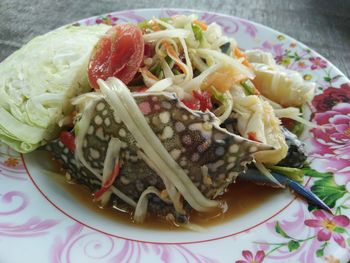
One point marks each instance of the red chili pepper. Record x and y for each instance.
(100, 192)
(192, 104)
(68, 140)
(204, 99)
(252, 136)
(201, 101)
(113, 176)
(109, 182)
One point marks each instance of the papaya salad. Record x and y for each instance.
(159, 117)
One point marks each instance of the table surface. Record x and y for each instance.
(321, 24)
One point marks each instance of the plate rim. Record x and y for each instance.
(196, 11)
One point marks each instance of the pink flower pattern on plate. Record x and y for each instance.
(329, 226)
(331, 97)
(250, 28)
(7, 200)
(84, 245)
(34, 226)
(333, 139)
(332, 143)
(249, 258)
(31, 227)
(317, 63)
(275, 49)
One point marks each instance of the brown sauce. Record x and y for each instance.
(241, 198)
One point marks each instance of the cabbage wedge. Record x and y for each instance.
(38, 81)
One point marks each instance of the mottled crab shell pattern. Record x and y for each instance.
(77, 172)
(83, 176)
(192, 138)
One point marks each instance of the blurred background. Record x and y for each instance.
(323, 25)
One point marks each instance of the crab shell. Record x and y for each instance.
(193, 139)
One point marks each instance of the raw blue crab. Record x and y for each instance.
(151, 152)
(209, 156)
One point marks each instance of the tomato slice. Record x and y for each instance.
(118, 53)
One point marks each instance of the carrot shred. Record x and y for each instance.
(239, 54)
(148, 73)
(201, 24)
(154, 25)
(171, 51)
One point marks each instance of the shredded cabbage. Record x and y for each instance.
(294, 114)
(256, 118)
(142, 205)
(111, 159)
(161, 85)
(171, 33)
(227, 59)
(228, 106)
(197, 61)
(259, 56)
(174, 195)
(166, 69)
(196, 83)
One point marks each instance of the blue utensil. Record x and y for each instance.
(256, 176)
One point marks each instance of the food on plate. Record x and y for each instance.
(281, 85)
(151, 133)
(37, 82)
(172, 113)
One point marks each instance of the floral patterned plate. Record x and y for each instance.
(40, 222)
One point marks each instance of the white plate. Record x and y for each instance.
(40, 220)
